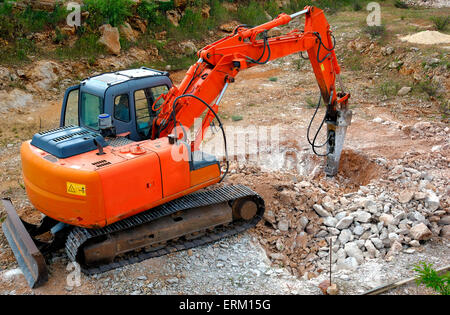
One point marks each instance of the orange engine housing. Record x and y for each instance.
(92, 191)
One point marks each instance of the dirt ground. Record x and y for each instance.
(279, 94)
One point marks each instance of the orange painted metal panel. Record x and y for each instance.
(47, 189)
(174, 166)
(204, 174)
(132, 186)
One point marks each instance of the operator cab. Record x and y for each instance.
(125, 96)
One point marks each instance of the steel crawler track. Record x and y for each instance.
(79, 236)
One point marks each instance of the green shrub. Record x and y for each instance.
(150, 11)
(8, 21)
(85, 47)
(271, 7)
(218, 12)
(431, 279)
(15, 24)
(36, 20)
(388, 88)
(237, 118)
(192, 22)
(357, 5)
(253, 14)
(114, 12)
(297, 5)
(375, 30)
(59, 37)
(400, 4)
(17, 52)
(440, 22)
(428, 87)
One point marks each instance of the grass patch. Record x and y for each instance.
(153, 12)
(15, 24)
(427, 87)
(17, 52)
(375, 30)
(311, 103)
(389, 88)
(114, 12)
(175, 62)
(354, 62)
(440, 22)
(236, 118)
(253, 14)
(86, 46)
(357, 5)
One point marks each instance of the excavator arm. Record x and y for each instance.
(220, 62)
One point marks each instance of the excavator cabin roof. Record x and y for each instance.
(114, 78)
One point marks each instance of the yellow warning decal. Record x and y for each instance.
(322, 67)
(76, 189)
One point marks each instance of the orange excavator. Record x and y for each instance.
(119, 182)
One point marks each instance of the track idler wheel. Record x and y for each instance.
(244, 209)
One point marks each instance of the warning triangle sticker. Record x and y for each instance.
(71, 189)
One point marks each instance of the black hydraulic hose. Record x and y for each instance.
(327, 49)
(310, 123)
(218, 119)
(313, 143)
(266, 43)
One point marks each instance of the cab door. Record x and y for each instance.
(118, 105)
(145, 113)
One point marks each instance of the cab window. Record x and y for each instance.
(71, 115)
(122, 108)
(156, 93)
(91, 108)
(144, 100)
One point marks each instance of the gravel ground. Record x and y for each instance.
(236, 265)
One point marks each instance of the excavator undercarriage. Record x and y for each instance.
(184, 223)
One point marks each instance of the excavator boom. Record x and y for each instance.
(220, 62)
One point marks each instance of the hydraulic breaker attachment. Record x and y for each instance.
(29, 257)
(337, 124)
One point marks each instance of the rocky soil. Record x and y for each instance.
(386, 210)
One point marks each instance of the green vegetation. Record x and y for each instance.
(311, 103)
(400, 4)
(375, 30)
(428, 87)
(86, 46)
(431, 278)
(273, 79)
(357, 6)
(152, 12)
(440, 22)
(236, 118)
(354, 61)
(114, 12)
(254, 14)
(15, 24)
(18, 25)
(389, 87)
